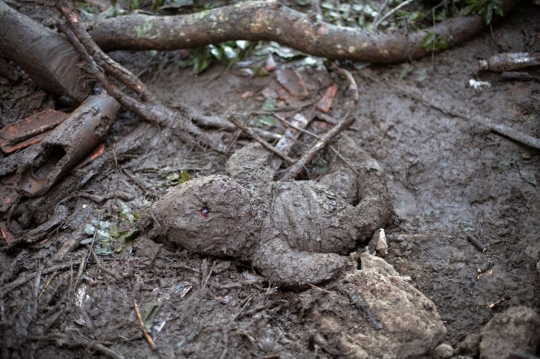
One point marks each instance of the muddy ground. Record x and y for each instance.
(447, 176)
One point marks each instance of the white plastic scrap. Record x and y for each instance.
(382, 246)
(478, 85)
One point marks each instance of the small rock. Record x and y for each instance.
(511, 331)
(378, 243)
(470, 345)
(443, 351)
(410, 321)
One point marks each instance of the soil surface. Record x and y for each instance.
(447, 178)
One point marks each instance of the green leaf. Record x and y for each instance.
(466, 10)
(405, 72)
(428, 41)
(442, 44)
(269, 121)
(498, 10)
(487, 17)
(185, 177)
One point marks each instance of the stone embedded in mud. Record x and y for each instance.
(516, 330)
(410, 322)
(443, 351)
(470, 345)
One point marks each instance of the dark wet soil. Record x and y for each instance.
(447, 177)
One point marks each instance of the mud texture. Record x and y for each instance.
(446, 177)
(293, 232)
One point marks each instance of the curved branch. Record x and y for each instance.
(262, 20)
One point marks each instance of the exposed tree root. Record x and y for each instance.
(262, 20)
(148, 107)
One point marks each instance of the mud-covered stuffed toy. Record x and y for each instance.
(295, 233)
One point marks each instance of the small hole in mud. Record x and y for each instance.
(359, 264)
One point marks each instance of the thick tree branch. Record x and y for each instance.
(262, 20)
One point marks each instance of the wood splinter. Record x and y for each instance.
(143, 328)
(475, 242)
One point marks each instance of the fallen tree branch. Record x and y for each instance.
(271, 21)
(153, 110)
(46, 56)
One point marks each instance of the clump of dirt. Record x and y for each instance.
(446, 176)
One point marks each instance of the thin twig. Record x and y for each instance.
(318, 138)
(25, 278)
(475, 242)
(232, 117)
(299, 166)
(142, 326)
(405, 3)
(80, 341)
(353, 87)
(100, 266)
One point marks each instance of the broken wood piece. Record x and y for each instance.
(45, 55)
(29, 131)
(356, 298)
(272, 21)
(96, 152)
(518, 76)
(291, 80)
(475, 242)
(325, 102)
(70, 142)
(8, 236)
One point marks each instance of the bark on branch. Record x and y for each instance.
(262, 20)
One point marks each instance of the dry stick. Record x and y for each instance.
(405, 3)
(100, 266)
(475, 242)
(318, 138)
(82, 342)
(143, 328)
(232, 117)
(23, 279)
(485, 121)
(153, 111)
(299, 166)
(237, 134)
(100, 199)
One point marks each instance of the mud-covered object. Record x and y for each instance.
(515, 330)
(410, 324)
(294, 232)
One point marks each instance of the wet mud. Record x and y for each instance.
(447, 179)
